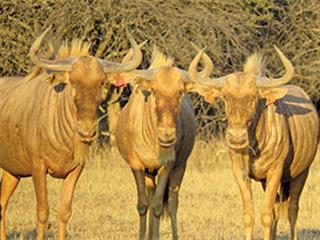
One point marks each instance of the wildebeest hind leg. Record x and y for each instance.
(142, 207)
(173, 199)
(296, 187)
(8, 185)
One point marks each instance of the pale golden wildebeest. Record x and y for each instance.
(47, 128)
(272, 137)
(155, 134)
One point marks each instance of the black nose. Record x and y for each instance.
(85, 133)
(237, 138)
(237, 135)
(89, 134)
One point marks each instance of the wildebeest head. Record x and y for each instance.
(86, 75)
(164, 85)
(166, 88)
(241, 92)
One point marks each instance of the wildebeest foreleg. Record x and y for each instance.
(276, 212)
(296, 187)
(68, 186)
(8, 185)
(151, 187)
(267, 210)
(142, 207)
(244, 184)
(157, 201)
(40, 186)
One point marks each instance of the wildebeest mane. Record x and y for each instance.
(159, 59)
(77, 48)
(255, 64)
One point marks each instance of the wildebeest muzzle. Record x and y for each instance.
(237, 139)
(166, 136)
(87, 133)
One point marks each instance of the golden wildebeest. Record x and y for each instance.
(272, 137)
(46, 128)
(155, 135)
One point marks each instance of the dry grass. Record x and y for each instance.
(210, 205)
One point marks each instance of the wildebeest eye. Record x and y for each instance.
(59, 87)
(224, 96)
(146, 94)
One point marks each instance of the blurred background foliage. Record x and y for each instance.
(230, 30)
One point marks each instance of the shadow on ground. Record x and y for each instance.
(313, 234)
(304, 234)
(28, 235)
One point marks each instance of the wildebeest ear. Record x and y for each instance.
(121, 79)
(209, 93)
(117, 79)
(57, 78)
(272, 94)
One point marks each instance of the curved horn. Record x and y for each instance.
(208, 65)
(55, 65)
(111, 67)
(196, 77)
(129, 54)
(266, 82)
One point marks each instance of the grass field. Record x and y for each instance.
(210, 207)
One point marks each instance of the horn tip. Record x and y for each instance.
(143, 43)
(128, 33)
(201, 51)
(47, 30)
(196, 47)
(276, 48)
(155, 47)
(130, 37)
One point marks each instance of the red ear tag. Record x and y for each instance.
(209, 98)
(120, 81)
